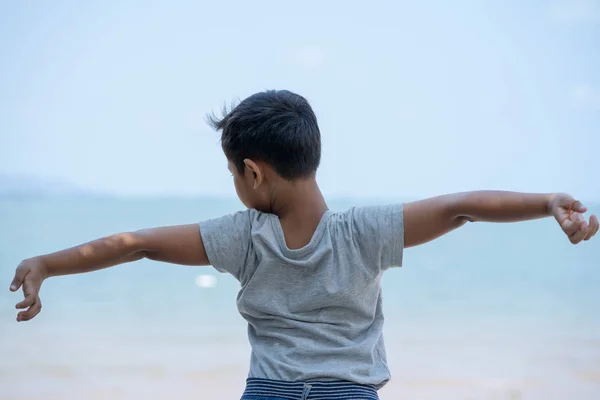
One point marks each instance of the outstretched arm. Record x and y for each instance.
(180, 244)
(429, 219)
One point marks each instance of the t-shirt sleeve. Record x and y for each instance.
(379, 234)
(227, 241)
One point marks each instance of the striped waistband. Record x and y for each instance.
(310, 390)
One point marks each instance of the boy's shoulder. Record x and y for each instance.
(357, 218)
(356, 212)
(376, 231)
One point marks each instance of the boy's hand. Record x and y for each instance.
(568, 212)
(29, 274)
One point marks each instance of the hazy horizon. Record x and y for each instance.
(69, 190)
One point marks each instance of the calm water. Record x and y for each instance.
(513, 301)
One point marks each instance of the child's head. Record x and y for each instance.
(270, 139)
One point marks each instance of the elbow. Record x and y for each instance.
(132, 244)
(130, 240)
(460, 208)
(143, 245)
(463, 219)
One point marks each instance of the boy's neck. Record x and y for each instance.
(300, 206)
(299, 200)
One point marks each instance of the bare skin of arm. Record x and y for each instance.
(429, 219)
(181, 244)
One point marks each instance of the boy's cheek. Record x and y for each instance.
(241, 193)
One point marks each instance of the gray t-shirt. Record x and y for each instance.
(314, 312)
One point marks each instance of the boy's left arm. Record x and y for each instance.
(429, 219)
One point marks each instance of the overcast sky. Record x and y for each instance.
(414, 98)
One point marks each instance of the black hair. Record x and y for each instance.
(277, 127)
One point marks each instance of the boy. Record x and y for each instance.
(310, 278)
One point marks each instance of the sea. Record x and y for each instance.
(489, 311)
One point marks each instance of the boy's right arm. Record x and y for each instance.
(180, 244)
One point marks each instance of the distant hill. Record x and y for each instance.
(29, 186)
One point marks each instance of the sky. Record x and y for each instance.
(414, 98)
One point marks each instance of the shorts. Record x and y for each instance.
(266, 389)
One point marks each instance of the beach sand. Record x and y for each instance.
(123, 367)
(58, 383)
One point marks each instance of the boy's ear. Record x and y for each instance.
(257, 173)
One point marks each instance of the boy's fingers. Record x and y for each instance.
(580, 234)
(31, 312)
(571, 226)
(30, 315)
(593, 227)
(579, 207)
(17, 281)
(27, 302)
